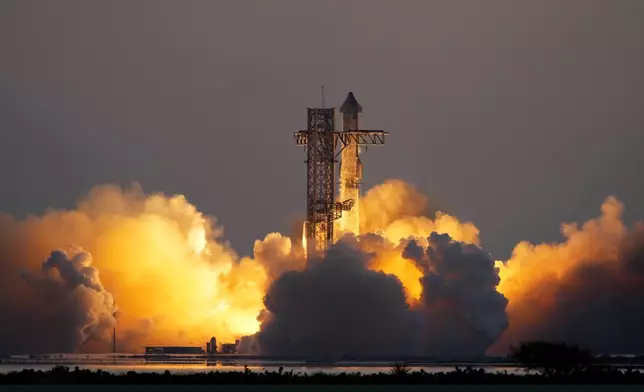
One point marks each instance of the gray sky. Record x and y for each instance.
(517, 115)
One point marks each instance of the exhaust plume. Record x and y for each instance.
(413, 284)
(276, 255)
(395, 211)
(586, 290)
(465, 312)
(69, 300)
(162, 260)
(336, 307)
(341, 304)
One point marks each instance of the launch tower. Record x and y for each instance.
(321, 142)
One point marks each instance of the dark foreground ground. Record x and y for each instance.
(397, 375)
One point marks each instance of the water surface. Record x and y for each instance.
(119, 364)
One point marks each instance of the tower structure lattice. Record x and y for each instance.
(323, 145)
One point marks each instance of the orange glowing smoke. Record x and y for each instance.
(176, 282)
(160, 258)
(173, 280)
(530, 278)
(394, 210)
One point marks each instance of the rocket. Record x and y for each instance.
(350, 109)
(351, 166)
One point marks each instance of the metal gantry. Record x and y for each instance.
(321, 141)
(320, 153)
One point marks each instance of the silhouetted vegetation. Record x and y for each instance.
(554, 359)
(556, 363)
(399, 374)
(400, 369)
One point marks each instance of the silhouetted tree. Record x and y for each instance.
(399, 369)
(553, 358)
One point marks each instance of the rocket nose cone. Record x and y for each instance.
(351, 105)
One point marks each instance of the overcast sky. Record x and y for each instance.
(516, 115)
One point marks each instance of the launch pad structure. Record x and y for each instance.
(323, 145)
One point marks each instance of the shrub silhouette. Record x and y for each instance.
(553, 358)
(63, 376)
(399, 369)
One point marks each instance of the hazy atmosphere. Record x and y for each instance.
(516, 115)
(508, 117)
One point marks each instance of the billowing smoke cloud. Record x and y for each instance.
(334, 308)
(396, 210)
(585, 291)
(276, 255)
(68, 301)
(339, 307)
(173, 279)
(465, 313)
(410, 285)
